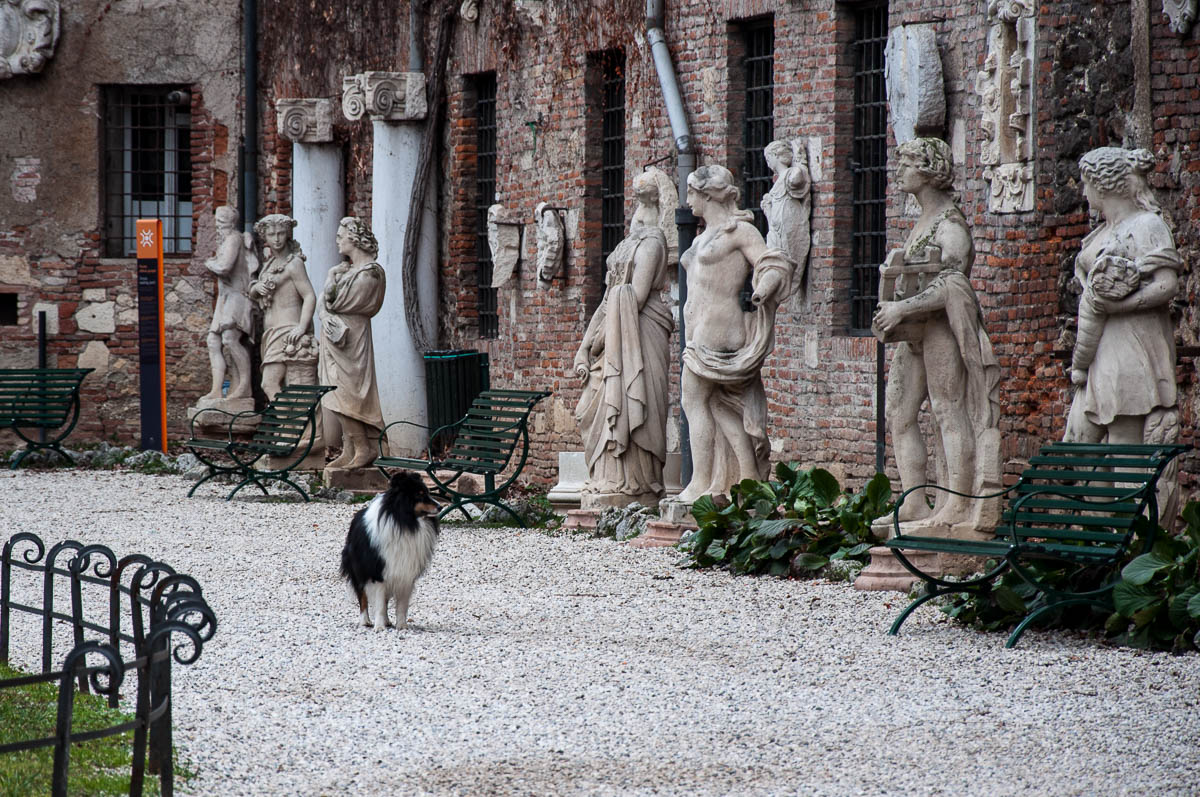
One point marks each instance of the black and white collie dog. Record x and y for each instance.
(388, 547)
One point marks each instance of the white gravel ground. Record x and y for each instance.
(566, 665)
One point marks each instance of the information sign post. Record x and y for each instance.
(151, 339)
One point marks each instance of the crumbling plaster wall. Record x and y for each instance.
(51, 205)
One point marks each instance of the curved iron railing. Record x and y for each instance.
(168, 620)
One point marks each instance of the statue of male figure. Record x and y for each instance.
(234, 264)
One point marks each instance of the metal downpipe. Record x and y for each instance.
(685, 220)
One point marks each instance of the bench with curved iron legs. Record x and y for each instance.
(1077, 504)
(285, 432)
(484, 441)
(42, 399)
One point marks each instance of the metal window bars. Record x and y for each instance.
(869, 163)
(758, 127)
(485, 195)
(147, 166)
(612, 163)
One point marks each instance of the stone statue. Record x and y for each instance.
(550, 240)
(28, 34)
(234, 265)
(788, 205)
(624, 360)
(504, 240)
(930, 311)
(353, 294)
(725, 344)
(283, 291)
(1123, 365)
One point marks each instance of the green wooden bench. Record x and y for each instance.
(277, 446)
(1077, 504)
(43, 399)
(484, 442)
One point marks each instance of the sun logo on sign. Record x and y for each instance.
(147, 237)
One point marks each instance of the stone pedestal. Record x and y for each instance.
(365, 480)
(214, 422)
(314, 461)
(572, 473)
(675, 520)
(582, 519)
(886, 573)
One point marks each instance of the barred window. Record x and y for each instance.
(485, 195)
(147, 166)
(868, 163)
(612, 160)
(758, 121)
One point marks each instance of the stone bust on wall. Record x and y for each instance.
(28, 35)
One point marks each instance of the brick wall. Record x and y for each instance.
(820, 380)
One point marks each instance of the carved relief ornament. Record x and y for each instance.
(1180, 15)
(386, 96)
(305, 121)
(28, 34)
(1005, 88)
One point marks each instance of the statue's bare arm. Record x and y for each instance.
(295, 270)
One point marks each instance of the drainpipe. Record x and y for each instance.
(685, 220)
(249, 201)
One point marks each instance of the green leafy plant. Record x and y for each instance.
(802, 520)
(1157, 603)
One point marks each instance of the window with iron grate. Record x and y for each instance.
(485, 195)
(147, 165)
(758, 121)
(611, 64)
(868, 163)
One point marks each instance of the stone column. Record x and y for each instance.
(395, 103)
(318, 192)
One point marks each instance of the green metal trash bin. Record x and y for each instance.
(452, 381)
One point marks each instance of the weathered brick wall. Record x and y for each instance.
(820, 380)
(50, 232)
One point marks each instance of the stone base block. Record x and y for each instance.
(582, 519)
(362, 480)
(661, 534)
(215, 421)
(884, 572)
(672, 511)
(572, 473)
(314, 461)
(602, 501)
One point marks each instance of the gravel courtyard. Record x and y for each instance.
(567, 665)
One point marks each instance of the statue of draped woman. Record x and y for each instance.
(624, 359)
(353, 295)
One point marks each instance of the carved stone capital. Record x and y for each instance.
(386, 96)
(305, 121)
(1181, 14)
(28, 35)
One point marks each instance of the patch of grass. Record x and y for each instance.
(98, 767)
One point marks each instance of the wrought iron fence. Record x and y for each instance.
(139, 605)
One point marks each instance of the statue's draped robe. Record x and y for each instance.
(738, 374)
(347, 353)
(622, 412)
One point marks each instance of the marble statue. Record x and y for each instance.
(28, 35)
(1123, 366)
(930, 311)
(725, 345)
(353, 294)
(283, 291)
(234, 264)
(550, 240)
(624, 359)
(504, 241)
(788, 205)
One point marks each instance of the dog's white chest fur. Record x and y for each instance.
(405, 554)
